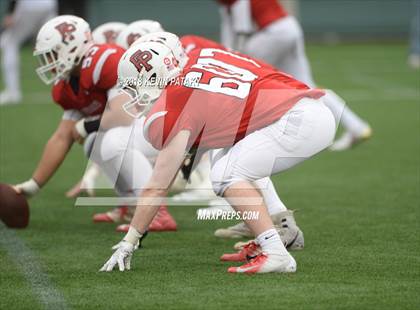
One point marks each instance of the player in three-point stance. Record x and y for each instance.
(265, 121)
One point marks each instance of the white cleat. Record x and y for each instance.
(264, 263)
(7, 98)
(349, 140)
(414, 61)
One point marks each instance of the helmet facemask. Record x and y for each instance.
(143, 95)
(51, 67)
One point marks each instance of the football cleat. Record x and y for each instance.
(264, 263)
(285, 224)
(248, 251)
(117, 215)
(163, 221)
(237, 231)
(349, 140)
(297, 243)
(7, 97)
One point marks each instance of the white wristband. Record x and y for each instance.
(132, 236)
(29, 188)
(80, 128)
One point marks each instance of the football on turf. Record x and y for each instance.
(14, 208)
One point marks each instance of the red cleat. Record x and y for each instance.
(163, 221)
(248, 252)
(264, 263)
(116, 215)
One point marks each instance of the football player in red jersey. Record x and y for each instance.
(283, 219)
(263, 29)
(265, 122)
(84, 76)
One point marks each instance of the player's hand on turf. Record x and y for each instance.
(121, 257)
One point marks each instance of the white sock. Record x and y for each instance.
(271, 243)
(271, 199)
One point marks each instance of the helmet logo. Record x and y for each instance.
(132, 37)
(66, 30)
(110, 36)
(140, 59)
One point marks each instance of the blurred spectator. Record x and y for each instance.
(414, 57)
(23, 20)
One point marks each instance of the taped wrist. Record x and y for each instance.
(133, 236)
(87, 125)
(29, 188)
(92, 125)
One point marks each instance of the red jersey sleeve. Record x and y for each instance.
(100, 65)
(267, 11)
(108, 74)
(192, 42)
(171, 114)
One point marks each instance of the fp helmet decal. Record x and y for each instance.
(132, 37)
(66, 30)
(110, 35)
(140, 59)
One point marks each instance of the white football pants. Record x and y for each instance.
(282, 45)
(126, 158)
(29, 16)
(306, 129)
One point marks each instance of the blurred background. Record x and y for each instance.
(321, 19)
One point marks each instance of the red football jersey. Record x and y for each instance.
(88, 93)
(220, 98)
(191, 43)
(263, 12)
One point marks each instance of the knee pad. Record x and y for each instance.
(221, 179)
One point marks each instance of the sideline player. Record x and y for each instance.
(263, 29)
(23, 19)
(84, 76)
(265, 121)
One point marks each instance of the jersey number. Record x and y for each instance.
(230, 80)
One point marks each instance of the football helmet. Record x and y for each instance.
(60, 46)
(136, 30)
(169, 39)
(143, 72)
(108, 32)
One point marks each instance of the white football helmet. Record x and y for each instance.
(108, 32)
(169, 39)
(143, 72)
(60, 46)
(136, 30)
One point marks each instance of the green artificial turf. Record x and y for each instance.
(358, 209)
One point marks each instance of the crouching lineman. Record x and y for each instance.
(265, 121)
(84, 75)
(282, 218)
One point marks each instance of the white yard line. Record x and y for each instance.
(27, 264)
